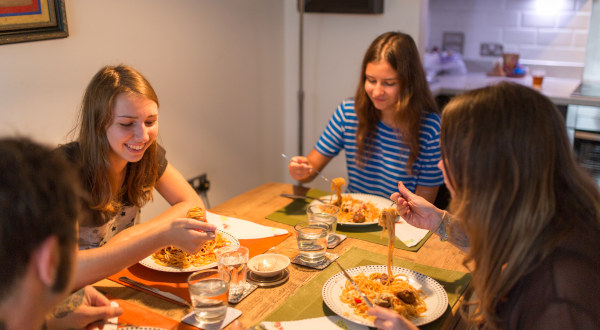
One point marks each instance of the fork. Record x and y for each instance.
(319, 173)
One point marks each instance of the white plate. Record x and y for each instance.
(151, 263)
(379, 202)
(436, 300)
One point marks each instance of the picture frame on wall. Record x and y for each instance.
(32, 20)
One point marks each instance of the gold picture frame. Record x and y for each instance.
(32, 20)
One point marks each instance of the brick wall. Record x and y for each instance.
(543, 32)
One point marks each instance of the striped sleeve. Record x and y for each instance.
(429, 155)
(331, 141)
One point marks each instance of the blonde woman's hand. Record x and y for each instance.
(189, 234)
(389, 320)
(416, 210)
(300, 168)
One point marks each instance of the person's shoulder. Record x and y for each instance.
(432, 117)
(346, 108)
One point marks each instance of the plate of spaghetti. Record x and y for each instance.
(357, 209)
(172, 259)
(418, 297)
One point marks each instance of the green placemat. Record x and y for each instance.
(296, 212)
(305, 303)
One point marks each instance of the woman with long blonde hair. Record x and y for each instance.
(121, 164)
(389, 130)
(525, 212)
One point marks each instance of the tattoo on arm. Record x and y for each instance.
(69, 305)
(456, 234)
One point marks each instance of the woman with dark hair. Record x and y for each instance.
(121, 164)
(525, 212)
(389, 130)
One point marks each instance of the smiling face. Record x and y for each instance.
(133, 128)
(382, 85)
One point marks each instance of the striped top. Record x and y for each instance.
(387, 163)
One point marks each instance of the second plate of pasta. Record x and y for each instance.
(372, 204)
(193, 263)
(435, 297)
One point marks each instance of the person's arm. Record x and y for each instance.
(137, 242)
(302, 168)
(429, 193)
(82, 309)
(420, 213)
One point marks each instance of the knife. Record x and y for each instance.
(161, 293)
(293, 196)
(349, 278)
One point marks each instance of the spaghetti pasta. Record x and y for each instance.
(386, 290)
(394, 293)
(174, 257)
(353, 210)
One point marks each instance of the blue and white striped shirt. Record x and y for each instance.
(387, 163)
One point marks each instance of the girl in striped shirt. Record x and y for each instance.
(389, 130)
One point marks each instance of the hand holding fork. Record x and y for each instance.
(302, 165)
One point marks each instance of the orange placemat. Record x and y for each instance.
(140, 316)
(176, 282)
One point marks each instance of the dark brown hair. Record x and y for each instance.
(516, 183)
(400, 52)
(40, 197)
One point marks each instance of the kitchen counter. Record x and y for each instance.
(556, 89)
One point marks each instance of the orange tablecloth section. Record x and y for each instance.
(176, 282)
(140, 316)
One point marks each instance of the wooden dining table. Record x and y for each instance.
(255, 205)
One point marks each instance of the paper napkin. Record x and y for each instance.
(242, 229)
(409, 235)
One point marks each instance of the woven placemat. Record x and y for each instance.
(306, 303)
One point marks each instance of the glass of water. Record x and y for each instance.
(234, 261)
(312, 240)
(327, 214)
(209, 292)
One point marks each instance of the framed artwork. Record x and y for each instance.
(32, 20)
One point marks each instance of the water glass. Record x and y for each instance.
(234, 261)
(312, 240)
(209, 292)
(324, 213)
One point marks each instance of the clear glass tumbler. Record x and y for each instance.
(209, 292)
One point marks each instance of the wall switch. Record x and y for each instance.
(200, 183)
(490, 49)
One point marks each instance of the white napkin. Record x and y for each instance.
(112, 322)
(242, 229)
(325, 322)
(408, 234)
(231, 315)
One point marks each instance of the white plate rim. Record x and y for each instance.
(379, 202)
(151, 263)
(436, 300)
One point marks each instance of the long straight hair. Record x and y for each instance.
(96, 114)
(400, 52)
(518, 188)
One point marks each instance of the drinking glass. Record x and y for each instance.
(324, 213)
(234, 261)
(209, 292)
(312, 240)
(537, 77)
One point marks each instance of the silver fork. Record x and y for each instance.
(319, 173)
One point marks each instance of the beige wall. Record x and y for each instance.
(225, 71)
